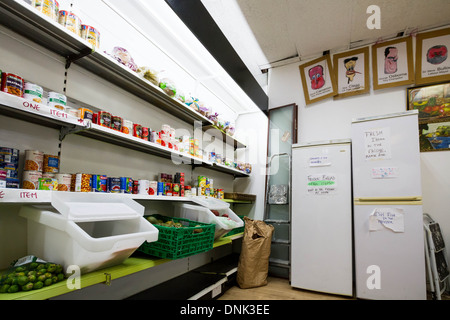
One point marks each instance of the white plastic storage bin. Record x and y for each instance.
(201, 212)
(92, 231)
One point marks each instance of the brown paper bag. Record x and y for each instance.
(253, 266)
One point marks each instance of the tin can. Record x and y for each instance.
(57, 100)
(2, 179)
(86, 114)
(153, 189)
(145, 133)
(103, 118)
(135, 186)
(47, 7)
(12, 84)
(72, 111)
(48, 184)
(9, 155)
(48, 175)
(165, 129)
(154, 137)
(176, 189)
(160, 190)
(113, 185)
(30, 180)
(91, 35)
(220, 194)
(82, 182)
(34, 160)
(63, 181)
(168, 187)
(116, 123)
(126, 185)
(98, 183)
(12, 183)
(143, 187)
(33, 92)
(51, 164)
(127, 127)
(137, 130)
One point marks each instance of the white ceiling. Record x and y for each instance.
(296, 30)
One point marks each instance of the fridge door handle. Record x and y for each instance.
(384, 199)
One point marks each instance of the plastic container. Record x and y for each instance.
(175, 243)
(203, 212)
(92, 231)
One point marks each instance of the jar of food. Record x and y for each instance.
(91, 35)
(70, 21)
(57, 100)
(47, 7)
(33, 92)
(12, 84)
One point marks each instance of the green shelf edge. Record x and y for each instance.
(129, 266)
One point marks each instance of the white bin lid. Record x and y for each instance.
(210, 203)
(85, 207)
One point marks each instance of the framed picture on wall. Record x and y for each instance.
(432, 101)
(351, 71)
(434, 136)
(318, 79)
(393, 63)
(432, 61)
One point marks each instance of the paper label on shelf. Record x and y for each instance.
(321, 184)
(390, 218)
(377, 143)
(384, 173)
(319, 161)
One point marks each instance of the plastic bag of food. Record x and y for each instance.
(181, 96)
(30, 273)
(168, 86)
(124, 57)
(149, 74)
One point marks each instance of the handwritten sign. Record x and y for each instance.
(319, 161)
(321, 184)
(384, 173)
(390, 218)
(377, 144)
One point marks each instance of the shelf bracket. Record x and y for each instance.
(75, 57)
(66, 130)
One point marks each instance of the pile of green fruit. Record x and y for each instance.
(31, 276)
(171, 224)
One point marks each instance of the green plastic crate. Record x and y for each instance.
(175, 243)
(236, 230)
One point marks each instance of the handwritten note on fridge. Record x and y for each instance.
(390, 218)
(384, 173)
(377, 144)
(319, 161)
(321, 184)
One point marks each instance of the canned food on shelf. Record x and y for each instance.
(72, 111)
(64, 181)
(86, 114)
(30, 180)
(12, 183)
(113, 185)
(153, 188)
(102, 118)
(2, 179)
(116, 123)
(126, 185)
(51, 164)
(99, 183)
(81, 182)
(57, 100)
(12, 84)
(33, 92)
(127, 127)
(145, 133)
(34, 160)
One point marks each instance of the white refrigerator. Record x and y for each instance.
(321, 248)
(388, 216)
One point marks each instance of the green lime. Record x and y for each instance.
(38, 285)
(32, 278)
(4, 288)
(41, 278)
(22, 280)
(13, 289)
(60, 276)
(33, 265)
(29, 286)
(51, 268)
(48, 282)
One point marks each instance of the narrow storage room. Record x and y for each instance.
(217, 151)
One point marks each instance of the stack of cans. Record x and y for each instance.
(9, 164)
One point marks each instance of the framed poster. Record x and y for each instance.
(432, 61)
(393, 63)
(351, 70)
(318, 79)
(432, 101)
